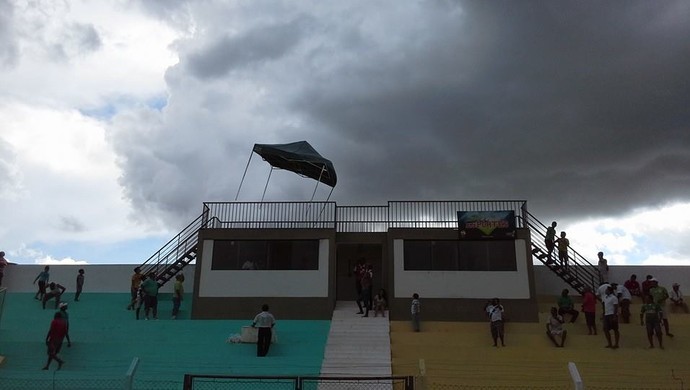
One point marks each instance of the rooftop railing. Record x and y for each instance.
(356, 219)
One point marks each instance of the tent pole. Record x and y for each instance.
(326, 202)
(266, 186)
(317, 183)
(243, 175)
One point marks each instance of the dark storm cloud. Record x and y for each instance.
(580, 108)
(263, 43)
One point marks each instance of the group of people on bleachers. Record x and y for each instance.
(616, 299)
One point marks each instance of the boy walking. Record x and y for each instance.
(495, 312)
(56, 333)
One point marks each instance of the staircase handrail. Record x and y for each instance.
(584, 270)
(178, 245)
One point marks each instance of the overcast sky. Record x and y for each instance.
(119, 118)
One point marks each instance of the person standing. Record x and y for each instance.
(150, 287)
(42, 279)
(611, 318)
(80, 284)
(660, 295)
(134, 287)
(358, 272)
(563, 244)
(65, 316)
(3, 264)
(415, 309)
(651, 316)
(554, 328)
(589, 307)
(367, 280)
(265, 322)
(603, 266)
(54, 338)
(624, 298)
(178, 292)
(550, 239)
(495, 312)
(647, 285)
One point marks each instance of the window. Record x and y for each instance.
(265, 255)
(465, 255)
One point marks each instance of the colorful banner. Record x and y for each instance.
(478, 225)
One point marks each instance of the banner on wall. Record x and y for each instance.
(492, 225)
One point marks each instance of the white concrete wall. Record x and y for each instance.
(263, 283)
(97, 278)
(115, 278)
(462, 284)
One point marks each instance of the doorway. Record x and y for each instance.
(347, 255)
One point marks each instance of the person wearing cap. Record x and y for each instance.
(65, 316)
(677, 299)
(660, 295)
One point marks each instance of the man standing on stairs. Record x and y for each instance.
(563, 244)
(550, 239)
(603, 266)
(265, 322)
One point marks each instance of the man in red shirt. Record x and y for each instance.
(646, 286)
(633, 286)
(56, 333)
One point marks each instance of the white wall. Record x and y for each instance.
(462, 284)
(110, 278)
(263, 283)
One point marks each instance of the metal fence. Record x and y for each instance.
(220, 382)
(358, 219)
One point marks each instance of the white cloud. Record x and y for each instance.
(645, 236)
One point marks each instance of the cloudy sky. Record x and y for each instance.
(119, 118)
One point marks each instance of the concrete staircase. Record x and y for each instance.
(357, 346)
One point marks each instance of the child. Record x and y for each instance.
(494, 310)
(380, 303)
(415, 309)
(80, 285)
(42, 279)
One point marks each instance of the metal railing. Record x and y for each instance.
(360, 219)
(218, 382)
(579, 267)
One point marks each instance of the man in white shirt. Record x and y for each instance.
(624, 298)
(611, 318)
(494, 310)
(676, 298)
(265, 322)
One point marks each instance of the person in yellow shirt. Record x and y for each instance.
(178, 292)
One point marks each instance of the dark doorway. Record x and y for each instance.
(347, 256)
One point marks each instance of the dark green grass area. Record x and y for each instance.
(106, 338)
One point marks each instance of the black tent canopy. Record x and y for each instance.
(299, 157)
